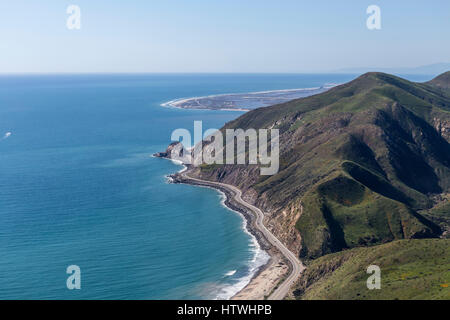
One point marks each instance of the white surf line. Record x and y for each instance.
(173, 103)
(296, 265)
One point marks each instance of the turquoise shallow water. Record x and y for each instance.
(78, 186)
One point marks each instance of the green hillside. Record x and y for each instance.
(440, 214)
(442, 82)
(410, 269)
(363, 159)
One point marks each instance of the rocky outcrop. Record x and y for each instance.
(442, 126)
(174, 146)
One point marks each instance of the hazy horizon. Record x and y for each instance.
(200, 73)
(201, 36)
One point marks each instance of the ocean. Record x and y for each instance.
(78, 186)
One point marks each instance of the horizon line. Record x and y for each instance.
(200, 73)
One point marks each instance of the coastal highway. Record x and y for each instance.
(296, 266)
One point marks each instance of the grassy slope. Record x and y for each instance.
(442, 82)
(440, 214)
(410, 269)
(374, 89)
(342, 213)
(363, 158)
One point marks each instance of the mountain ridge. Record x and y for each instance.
(410, 269)
(363, 158)
(430, 69)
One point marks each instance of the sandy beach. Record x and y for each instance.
(265, 281)
(243, 101)
(274, 279)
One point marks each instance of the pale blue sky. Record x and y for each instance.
(220, 36)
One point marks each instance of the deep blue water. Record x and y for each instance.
(78, 186)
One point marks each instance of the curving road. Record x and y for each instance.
(296, 266)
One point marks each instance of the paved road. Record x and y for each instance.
(296, 265)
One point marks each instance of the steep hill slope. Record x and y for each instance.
(442, 82)
(361, 158)
(410, 269)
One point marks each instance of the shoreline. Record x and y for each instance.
(179, 103)
(265, 282)
(250, 290)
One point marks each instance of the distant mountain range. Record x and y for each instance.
(431, 69)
